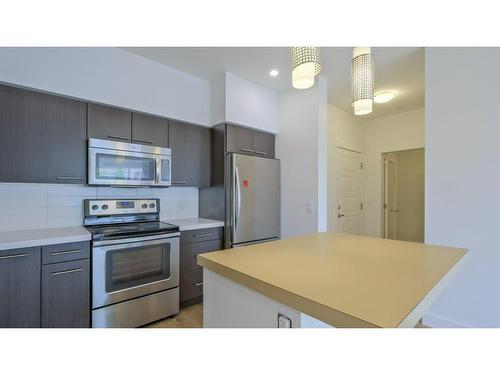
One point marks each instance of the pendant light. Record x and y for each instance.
(362, 71)
(306, 65)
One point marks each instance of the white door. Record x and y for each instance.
(349, 191)
(390, 198)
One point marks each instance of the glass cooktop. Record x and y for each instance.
(115, 231)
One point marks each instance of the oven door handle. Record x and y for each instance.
(136, 244)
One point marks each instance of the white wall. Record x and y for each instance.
(110, 76)
(301, 146)
(236, 100)
(398, 132)
(463, 179)
(32, 206)
(344, 130)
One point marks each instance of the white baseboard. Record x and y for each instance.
(435, 321)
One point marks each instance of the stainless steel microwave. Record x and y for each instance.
(128, 164)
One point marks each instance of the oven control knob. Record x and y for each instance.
(144, 206)
(152, 205)
(104, 207)
(95, 207)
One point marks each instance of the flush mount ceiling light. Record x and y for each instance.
(384, 96)
(306, 65)
(362, 71)
(274, 73)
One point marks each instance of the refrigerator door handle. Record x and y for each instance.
(238, 198)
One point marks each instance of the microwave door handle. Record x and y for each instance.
(158, 169)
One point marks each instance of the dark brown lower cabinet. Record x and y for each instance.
(66, 294)
(20, 288)
(191, 275)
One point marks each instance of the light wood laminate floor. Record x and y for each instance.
(189, 317)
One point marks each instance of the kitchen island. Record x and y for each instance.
(325, 280)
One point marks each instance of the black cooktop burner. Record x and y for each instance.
(115, 231)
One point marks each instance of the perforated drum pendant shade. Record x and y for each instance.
(306, 65)
(363, 74)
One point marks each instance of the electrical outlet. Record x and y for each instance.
(309, 207)
(284, 321)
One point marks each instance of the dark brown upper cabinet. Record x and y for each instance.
(149, 130)
(42, 137)
(239, 139)
(190, 146)
(20, 288)
(250, 142)
(263, 144)
(109, 123)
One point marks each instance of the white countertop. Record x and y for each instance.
(39, 237)
(195, 223)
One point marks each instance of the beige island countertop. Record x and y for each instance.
(343, 280)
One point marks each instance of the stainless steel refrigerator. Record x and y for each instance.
(252, 199)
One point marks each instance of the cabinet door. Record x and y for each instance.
(190, 154)
(20, 288)
(149, 130)
(263, 144)
(109, 123)
(191, 285)
(239, 139)
(42, 137)
(66, 295)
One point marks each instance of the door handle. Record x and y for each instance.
(13, 256)
(238, 197)
(118, 138)
(340, 215)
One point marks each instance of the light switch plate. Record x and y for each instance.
(284, 321)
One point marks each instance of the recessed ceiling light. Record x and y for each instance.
(274, 73)
(384, 96)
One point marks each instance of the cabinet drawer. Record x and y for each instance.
(191, 285)
(190, 251)
(200, 235)
(65, 252)
(66, 294)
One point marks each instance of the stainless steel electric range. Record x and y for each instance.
(135, 262)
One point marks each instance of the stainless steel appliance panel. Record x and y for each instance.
(255, 198)
(138, 311)
(129, 270)
(127, 164)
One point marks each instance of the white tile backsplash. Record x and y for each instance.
(31, 206)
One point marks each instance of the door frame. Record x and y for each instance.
(385, 161)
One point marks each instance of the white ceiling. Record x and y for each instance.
(396, 68)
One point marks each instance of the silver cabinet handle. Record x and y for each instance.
(246, 150)
(55, 253)
(119, 138)
(13, 256)
(261, 152)
(66, 272)
(142, 141)
(340, 215)
(203, 235)
(198, 284)
(179, 182)
(70, 178)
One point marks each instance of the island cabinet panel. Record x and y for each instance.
(263, 144)
(190, 145)
(239, 139)
(149, 130)
(194, 242)
(20, 288)
(66, 295)
(42, 137)
(112, 124)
